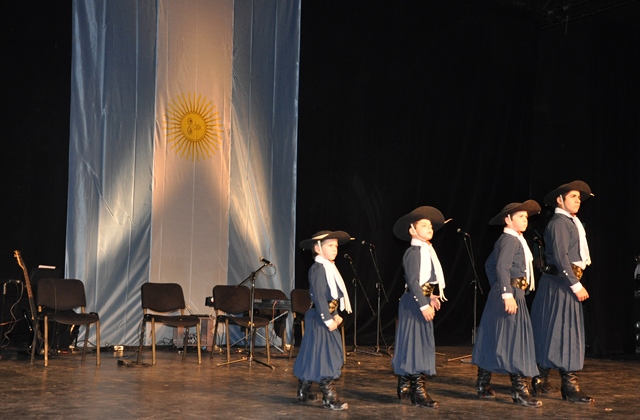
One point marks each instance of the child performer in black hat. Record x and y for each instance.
(505, 337)
(556, 312)
(320, 358)
(415, 353)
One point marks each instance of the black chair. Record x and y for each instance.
(276, 314)
(56, 300)
(300, 304)
(163, 298)
(232, 305)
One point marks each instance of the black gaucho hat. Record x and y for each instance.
(530, 206)
(342, 237)
(577, 185)
(432, 214)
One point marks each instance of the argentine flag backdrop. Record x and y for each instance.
(182, 150)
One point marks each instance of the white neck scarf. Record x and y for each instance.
(584, 246)
(429, 258)
(528, 256)
(335, 281)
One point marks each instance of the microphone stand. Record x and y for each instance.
(476, 287)
(380, 288)
(252, 329)
(356, 281)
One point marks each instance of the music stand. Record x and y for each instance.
(44, 272)
(356, 281)
(252, 329)
(476, 287)
(380, 289)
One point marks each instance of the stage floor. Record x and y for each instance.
(121, 389)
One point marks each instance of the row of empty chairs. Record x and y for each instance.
(57, 299)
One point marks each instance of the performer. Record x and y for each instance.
(556, 313)
(415, 353)
(505, 337)
(320, 358)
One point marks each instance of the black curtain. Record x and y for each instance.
(35, 48)
(465, 106)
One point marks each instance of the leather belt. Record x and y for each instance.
(577, 271)
(520, 283)
(553, 270)
(333, 305)
(428, 289)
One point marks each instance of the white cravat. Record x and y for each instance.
(584, 246)
(335, 281)
(528, 257)
(429, 258)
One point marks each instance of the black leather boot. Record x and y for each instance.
(304, 393)
(404, 387)
(540, 384)
(330, 396)
(483, 384)
(571, 389)
(419, 396)
(520, 391)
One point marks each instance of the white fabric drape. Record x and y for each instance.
(151, 196)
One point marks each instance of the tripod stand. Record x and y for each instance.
(476, 287)
(380, 291)
(251, 324)
(356, 282)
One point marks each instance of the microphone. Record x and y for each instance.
(264, 260)
(348, 257)
(370, 245)
(463, 232)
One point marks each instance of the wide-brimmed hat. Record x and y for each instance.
(577, 185)
(432, 214)
(530, 206)
(342, 237)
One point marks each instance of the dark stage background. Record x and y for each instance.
(464, 105)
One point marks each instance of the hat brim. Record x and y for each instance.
(577, 185)
(401, 227)
(530, 206)
(342, 237)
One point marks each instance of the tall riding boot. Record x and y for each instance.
(483, 384)
(330, 396)
(520, 391)
(571, 389)
(540, 384)
(419, 394)
(304, 393)
(404, 387)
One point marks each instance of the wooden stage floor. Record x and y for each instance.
(121, 389)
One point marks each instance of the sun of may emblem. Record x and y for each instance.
(193, 127)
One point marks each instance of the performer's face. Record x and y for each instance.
(422, 230)
(518, 221)
(329, 249)
(570, 202)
